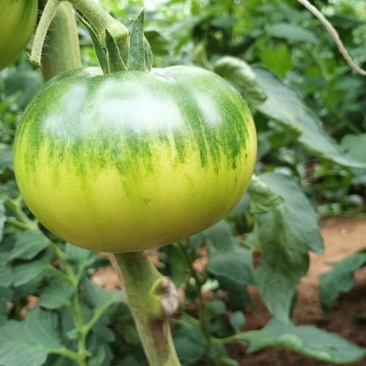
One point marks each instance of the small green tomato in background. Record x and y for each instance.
(134, 160)
(17, 22)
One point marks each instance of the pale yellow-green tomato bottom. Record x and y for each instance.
(109, 213)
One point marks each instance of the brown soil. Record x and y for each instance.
(341, 238)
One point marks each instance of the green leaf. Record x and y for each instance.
(186, 24)
(97, 344)
(237, 320)
(2, 219)
(176, 264)
(285, 230)
(226, 258)
(196, 240)
(99, 297)
(240, 216)
(55, 360)
(131, 360)
(6, 272)
(226, 361)
(224, 21)
(278, 59)
(101, 330)
(354, 147)
(6, 161)
(31, 287)
(188, 341)
(24, 82)
(9, 190)
(42, 328)
(15, 350)
(291, 33)
(30, 270)
(284, 106)
(81, 257)
(241, 208)
(241, 75)
(340, 279)
(262, 198)
(28, 245)
(28, 342)
(6, 295)
(229, 262)
(56, 295)
(306, 340)
(130, 334)
(216, 308)
(159, 44)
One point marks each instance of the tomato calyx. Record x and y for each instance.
(118, 48)
(135, 56)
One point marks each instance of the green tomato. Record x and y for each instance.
(17, 19)
(134, 160)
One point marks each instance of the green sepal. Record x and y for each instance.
(148, 55)
(136, 58)
(123, 45)
(98, 47)
(115, 61)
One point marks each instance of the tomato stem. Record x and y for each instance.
(79, 324)
(202, 311)
(73, 278)
(152, 299)
(21, 220)
(16, 223)
(48, 14)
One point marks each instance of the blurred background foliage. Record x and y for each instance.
(272, 50)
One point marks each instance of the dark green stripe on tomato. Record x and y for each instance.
(115, 119)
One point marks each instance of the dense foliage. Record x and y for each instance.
(309, 112)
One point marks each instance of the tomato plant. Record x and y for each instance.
(134, 160)
(17, 19)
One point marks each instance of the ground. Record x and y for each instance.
(341, 238)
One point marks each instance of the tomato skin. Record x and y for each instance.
(17, 19)
(133, 160)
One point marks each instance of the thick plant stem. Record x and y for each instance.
(61, 51)
(96, 16)
(100, 19)
(48, 13)
(152, 299)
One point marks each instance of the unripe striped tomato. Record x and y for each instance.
(17, 20)
(134, 160)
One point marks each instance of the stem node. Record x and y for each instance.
(169, 298)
